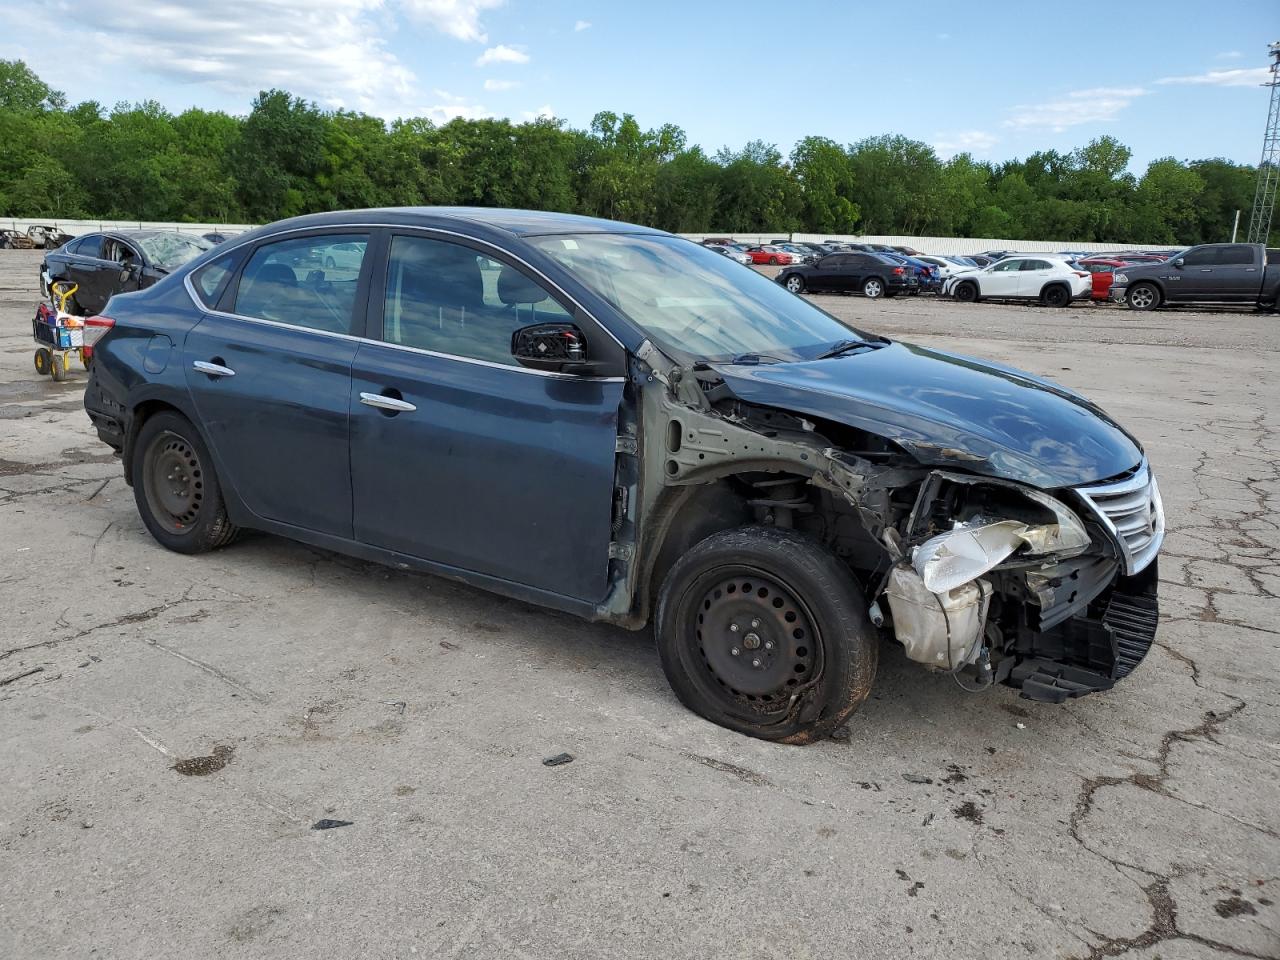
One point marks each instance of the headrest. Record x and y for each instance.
(514, 287)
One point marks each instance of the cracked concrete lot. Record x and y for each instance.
(173, 728)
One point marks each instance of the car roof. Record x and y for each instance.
(520, 223)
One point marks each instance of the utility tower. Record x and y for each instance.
(1264, 198)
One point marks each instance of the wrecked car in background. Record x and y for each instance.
(614, 422)
(103, 264)
(15, 240)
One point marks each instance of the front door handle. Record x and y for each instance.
(212, 369)
(383, 402)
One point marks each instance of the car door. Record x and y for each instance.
(1002, 279)
(851, 271)
(1032, 277)
(1194, 278)
(269, 370)
(83, 267)
(824, 273)
(1237, 278)
(461, 456)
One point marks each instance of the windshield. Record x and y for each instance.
(171, 250)
(694, 302)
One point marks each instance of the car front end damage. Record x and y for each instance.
(1048, 588)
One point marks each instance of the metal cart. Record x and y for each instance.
(59, 333)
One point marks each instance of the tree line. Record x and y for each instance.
(288, 156)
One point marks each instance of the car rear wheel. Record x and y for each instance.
(873, 288)
(764, 631)
(329, 263)
(795, 283)
(773, 261)
(1143, 296)
(966, 292)
(175, 487)
(1055, 295)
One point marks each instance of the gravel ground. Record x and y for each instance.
(173, 728)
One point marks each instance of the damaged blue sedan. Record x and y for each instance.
(618, 423)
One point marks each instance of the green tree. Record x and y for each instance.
(824, 175)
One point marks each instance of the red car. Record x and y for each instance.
(1103, 270)
(769, 255)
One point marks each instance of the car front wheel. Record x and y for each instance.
(966, 292)
(175, 487)
(764, 631)
(795, 283)
(1143, 296)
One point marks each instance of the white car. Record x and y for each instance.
(1045, 278)
(947, 268)
(734, 254)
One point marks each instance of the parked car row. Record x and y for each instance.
(36, 237)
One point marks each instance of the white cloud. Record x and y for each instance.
(1230, 55)
(964, 141)
(457, 18)
(1240, 77)
(452, 109)
(542, 112)
(492, 84)
(1095, 105)
(331, 51)
(501, 54)
(581, 25)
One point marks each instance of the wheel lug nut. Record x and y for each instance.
(768, 644)
(733, 628)
(755, 663)
(735, 651)
(754, 624)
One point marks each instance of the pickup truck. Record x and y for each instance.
(1236, 273)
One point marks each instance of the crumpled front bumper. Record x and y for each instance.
(1092, 650)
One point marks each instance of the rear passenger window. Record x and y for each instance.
(1236, 255)
(90, 246)
(451, 299)
(308, 282)
(211, 279)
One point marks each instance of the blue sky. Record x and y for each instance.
(997, 79)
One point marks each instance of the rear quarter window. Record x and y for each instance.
(211, 279)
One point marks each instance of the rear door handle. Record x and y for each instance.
(212, 369)
(383, 402)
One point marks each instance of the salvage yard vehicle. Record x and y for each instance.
(44, 237)
(870, 274)
(1229, 273)
(769, 254)
(103, 264)
(15, 240)
(609, 420)
(1043, 278)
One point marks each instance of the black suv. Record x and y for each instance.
(865, 273)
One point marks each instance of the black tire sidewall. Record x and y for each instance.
(799, 281)
(966, 292)
(816, 577)
(1049, 295)
(867, 283)
(212, 528)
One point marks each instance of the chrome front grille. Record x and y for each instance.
(1131, 512)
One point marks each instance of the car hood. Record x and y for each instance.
(950, 410)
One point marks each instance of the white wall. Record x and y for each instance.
(934, 245)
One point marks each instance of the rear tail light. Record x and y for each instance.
(898, 271)
(95, 328)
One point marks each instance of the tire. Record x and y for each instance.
(802, 622)
(966, 292)
(44, 361)
(773, 261)
(873, 288)
(186, 515)
(329, 263)
(58, 367)
(1142, 296)
(795, 283)
(1055, 295)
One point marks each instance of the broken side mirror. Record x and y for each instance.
(557, 347)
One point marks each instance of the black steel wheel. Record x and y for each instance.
(764, 631)
(1055, 295)
(175, 487)
(966, 292)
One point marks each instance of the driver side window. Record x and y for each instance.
(1007, 266)
(307, 282)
